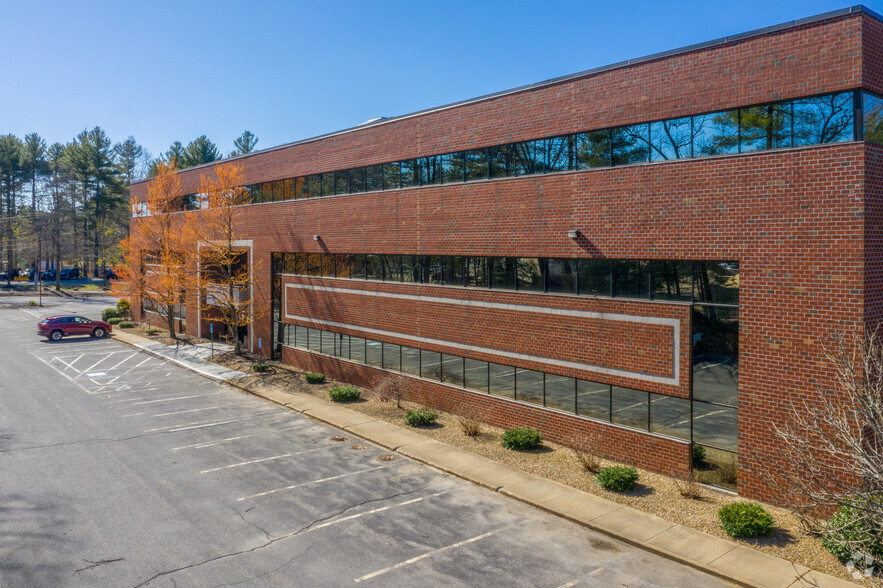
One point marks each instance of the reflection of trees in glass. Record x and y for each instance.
(716, 282)
(672, 280)
(671, 139)
(476, 164)
(716, 134)
(716, 331)
(592, 149)
(559, 154)
(873, 114)
(630, 144)
(765, 127)
(529, 275)
(825, 119)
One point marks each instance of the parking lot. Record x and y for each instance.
(120, 469)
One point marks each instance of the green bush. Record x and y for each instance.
(114, 320)
(847, 532)
(260, 366)
(124, 307)
(314, 378)
(109, 313)
(128, 325)
(521, 438)
(33, 303)
(617, 478)
(345, 393)
(419, 418)
(745, 519)
(151, 330)
(698, 454)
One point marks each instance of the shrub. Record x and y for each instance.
(109, 313)
(745, 519)
(419, 418)
(314, 378)
(151, 330)
(521, 438)
(129, 325)
(848, 532)
(698, 455)
(260, 366)
(689, 486)
(114, 320)
(617, 478)
(33, 303)
(345, 393)
(123, 307)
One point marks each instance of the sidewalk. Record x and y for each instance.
(728, 560)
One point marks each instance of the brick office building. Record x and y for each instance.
(649, 252)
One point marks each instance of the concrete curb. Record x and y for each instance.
(717, 557)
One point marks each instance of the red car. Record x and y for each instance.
(56, 327)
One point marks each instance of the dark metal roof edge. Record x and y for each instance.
(857, 9)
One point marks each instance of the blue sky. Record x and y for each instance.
(163, 71)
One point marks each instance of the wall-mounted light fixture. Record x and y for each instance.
(316, 237)
(573, 234)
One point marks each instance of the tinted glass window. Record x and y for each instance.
(826, 119)
(410, 269)
(358, 266)
(765, 127)
(433, 269)
(630, 407)
(329, 343)
(301, 337)
(476, 272)
(327, 180)
(592, 149)
(357, 349)
(313, 186)
(630, 144)
(502, 160)
(392, 269)
(872, 110)
(476, 164)
(374, 178)
(328, 265)
(392, 359)
(411, 360)
(410, 175)
(429, 170)
(594, 277)
(452, 369)
(670, 416)
(529, 386)
(287, 189)
(671, 280)
(631, 278)
(716, 134)
(503, 273)
(716, 282)
(344, 346)
(392, 176)
(453, 268)
(373, 352)
(278, 191)
(559, 153)
(501, 380)
(315, 340)
(671, 139)
(451, 168)
(357, 180)
(301, 188)
(717, 426)
(562, 276)
(342, 265)
(476, 374)
(716, 354)
(593, 399)
(530, 277)
(373, 267)
(561, 392)
(430, 365)
(529, 157)
(315, 264)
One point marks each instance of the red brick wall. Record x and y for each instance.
(811, 59)
(645, 450)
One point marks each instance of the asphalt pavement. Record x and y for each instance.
(120, 469)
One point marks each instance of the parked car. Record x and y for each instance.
(48, 276)
(70, 273)
(56, 327)
(9, 274)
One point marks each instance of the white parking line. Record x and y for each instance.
(139, 365)
(293, 486)
(124, 361)
(172, 399)
(68, 365)
(184, 411)
(242, 463)
(34, 314)
(428, 554)
(201, 445)
(97, 363)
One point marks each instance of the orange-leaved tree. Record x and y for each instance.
(158, 250)
(226, 268)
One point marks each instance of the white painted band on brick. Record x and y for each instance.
(675, 325)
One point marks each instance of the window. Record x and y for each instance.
(716, 354)
(765, 127)
(670, 416)
(562, 276)
(630, 407)
(288, 189)
(357, 180)
(476, 374)
(503, 272)
(329, 343)
(529, 386)
(630, 144)
(501, 380)
(593, 399)
(327, 183)
(374, 178)
(430, 365)
(631, 278)
(559, 154)
(392, 268)
(314, 267)
(476, 272)
(502, 161)
(373, 352)
(452, 369)
(410, 175)
(453, 270)
(715, 425)
(529, 156)
(343, 346)
(716, 282)
(392, 356)
(392, 176)
(594, 277)
(410, 269)
(357, 349)
(315, 340)
(373, 267)
(411, 360)
(476, 162)
(826, 119)
(592, 149)
(312, 186)
(671, 280)
(451, 168)
(429, 170)
(561, 392)
(530, 278)
(872, 110)
(671, 139)
(716, 134)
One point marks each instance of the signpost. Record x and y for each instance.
(211, 332)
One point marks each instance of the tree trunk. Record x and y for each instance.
(170, 318)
